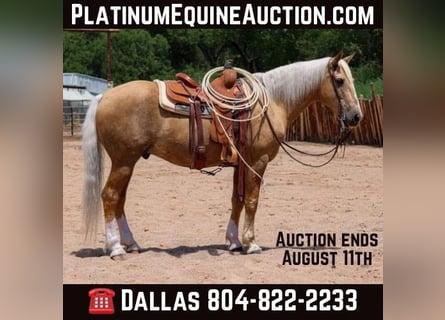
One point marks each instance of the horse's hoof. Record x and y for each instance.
(235, 245)
(253, 248)
(235, 248)
(133, 249)
(119, 257)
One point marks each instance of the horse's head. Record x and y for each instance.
(338, 91)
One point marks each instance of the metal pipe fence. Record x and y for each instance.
(73, 117)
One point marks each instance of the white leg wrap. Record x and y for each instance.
(232, 235)
(253, 248)
(113, 239)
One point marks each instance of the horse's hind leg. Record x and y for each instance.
(232, 227)
(117, 233)
(127, 239)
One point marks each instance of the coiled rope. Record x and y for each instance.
(257, 91)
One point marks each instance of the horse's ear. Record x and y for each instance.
(333, 63)
(349, 58)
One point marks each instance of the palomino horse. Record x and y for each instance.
(128, 122)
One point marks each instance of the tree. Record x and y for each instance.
(84, 52)
(150, 54)
(139, 56)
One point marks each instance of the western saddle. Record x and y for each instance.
(189, 99)
(186, 97)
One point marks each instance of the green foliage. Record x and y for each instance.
(363, 89)
(137, 55)
(82, 52)
(150, 54)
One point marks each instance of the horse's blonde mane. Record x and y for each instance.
(292, 82)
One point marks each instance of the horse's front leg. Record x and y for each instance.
(253, 185)
(232, 226)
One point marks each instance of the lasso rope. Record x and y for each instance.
(257, 92)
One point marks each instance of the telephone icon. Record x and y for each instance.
(101, 301)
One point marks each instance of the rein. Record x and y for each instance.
(342, 136)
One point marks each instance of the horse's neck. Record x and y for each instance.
(291, 110)
(294, 87)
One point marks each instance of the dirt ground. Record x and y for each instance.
(179, 217)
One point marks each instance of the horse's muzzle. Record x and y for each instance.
(353, 120)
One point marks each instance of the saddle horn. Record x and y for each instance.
(229, 75)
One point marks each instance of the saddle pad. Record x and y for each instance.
(181, 109)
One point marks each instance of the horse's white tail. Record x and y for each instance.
(92, 171)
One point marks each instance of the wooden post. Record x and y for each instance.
(308, 124)
(108, 31)
(379, 120)
(301, 127)
(317, 122)
(373, 91)
(109, 78)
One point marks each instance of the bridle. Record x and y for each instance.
(341, 108)
(341, 138)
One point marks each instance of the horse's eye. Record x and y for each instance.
(339, 81)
